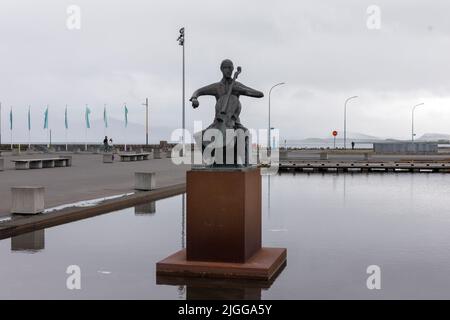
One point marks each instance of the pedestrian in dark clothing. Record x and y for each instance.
(105, 143)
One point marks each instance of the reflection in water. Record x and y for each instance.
(29, 242)
(268, 197)
(145, 209)
(219, 289)
(182, 289)
(183, 221)
(344, 176)
(276, 224)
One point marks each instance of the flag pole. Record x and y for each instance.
(11, 127)
(65, 125)
(48, 135)
(29, 128)
(86, 116)
(104, 119)
(126, 123)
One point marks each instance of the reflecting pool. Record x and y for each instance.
(333, 225)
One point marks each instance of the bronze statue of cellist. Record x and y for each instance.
(228, 106)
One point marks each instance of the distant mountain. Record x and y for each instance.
(350, 136)
(311, 140)
(361, 136)
(434, 137)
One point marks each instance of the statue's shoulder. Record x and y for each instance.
(215, 85)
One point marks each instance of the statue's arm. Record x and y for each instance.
(247, 91)
(210, 90)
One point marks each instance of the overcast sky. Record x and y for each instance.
(323, 50)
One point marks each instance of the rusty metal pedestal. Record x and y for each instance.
(223, 230)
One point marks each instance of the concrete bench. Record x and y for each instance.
(25, 164)
(68, 160)
(28, 200)
(144, 181)
(126, 157)
(158, 154)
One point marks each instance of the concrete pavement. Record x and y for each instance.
(88, 178)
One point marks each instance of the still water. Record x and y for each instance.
(333, 225)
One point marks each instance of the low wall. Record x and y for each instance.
(91, 147)
(405, 147)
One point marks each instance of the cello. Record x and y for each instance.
(228, 107)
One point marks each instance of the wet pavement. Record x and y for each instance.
(88, 178)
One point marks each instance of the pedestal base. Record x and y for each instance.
(261, 266)
(223, 222)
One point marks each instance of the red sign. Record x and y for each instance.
(335, 133)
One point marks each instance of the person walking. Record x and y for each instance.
(111, 147)
(105, 144)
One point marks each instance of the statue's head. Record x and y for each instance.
(227, 68)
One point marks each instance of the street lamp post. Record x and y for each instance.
(0, 123)
(146, 120)
(412, 120)
(268, 132)
(181, 43)
(345, 120)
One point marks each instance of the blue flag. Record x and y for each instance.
(105, 118)
(10, 119)
(29, 118)
(87, 114)
(66, 121)
(46, 119)
(126, 116)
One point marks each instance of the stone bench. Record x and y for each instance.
(27, 200)
(68, 160)
(127, 157)
(144, 181)
(25, 164)
(158, 154)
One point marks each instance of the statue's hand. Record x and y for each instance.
(195, 102)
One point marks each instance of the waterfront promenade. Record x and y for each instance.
(88, 178)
